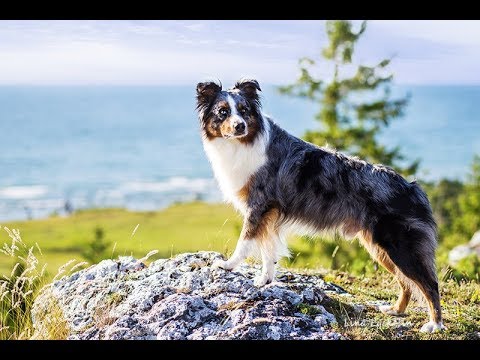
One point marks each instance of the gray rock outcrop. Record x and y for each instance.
(462, 251)
(183, 298)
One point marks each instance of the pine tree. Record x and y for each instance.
(349, 122)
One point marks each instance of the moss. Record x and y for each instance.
(308, 309)
(114, 298)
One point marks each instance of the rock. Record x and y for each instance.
(183, 298)
(475, 240)
(462, 251)
(458, 253)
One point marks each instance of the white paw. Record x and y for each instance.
(389, 310)
(432, 326)
(220, 264)
(262, 280)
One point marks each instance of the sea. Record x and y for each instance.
(64, 148)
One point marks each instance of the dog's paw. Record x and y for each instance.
(262, 280)
(390, 310)
(220, 264)
(432, 327)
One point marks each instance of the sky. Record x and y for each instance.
(160, 52)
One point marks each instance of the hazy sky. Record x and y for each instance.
(182, 52)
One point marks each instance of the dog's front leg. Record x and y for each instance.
(269, 260)
(258, 232)
(245, 245)
(242, 251)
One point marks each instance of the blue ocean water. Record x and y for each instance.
(139, 147)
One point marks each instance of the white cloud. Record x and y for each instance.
(451, 32)
(195, 27)
(157, 52)
(146, 30)
(427, 52)
(101, 63)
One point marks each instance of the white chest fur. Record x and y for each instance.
(234, 163)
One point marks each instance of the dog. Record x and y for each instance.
(282, 184)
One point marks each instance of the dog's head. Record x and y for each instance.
(230, 114)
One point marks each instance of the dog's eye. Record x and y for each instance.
(223, 112)
(243, 111)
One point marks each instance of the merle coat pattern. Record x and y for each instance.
(281, 184)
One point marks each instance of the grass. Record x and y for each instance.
(358, 317)
(20, 287)
(199, 226)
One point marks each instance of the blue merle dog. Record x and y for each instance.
(282, 184)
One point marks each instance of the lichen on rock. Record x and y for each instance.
(183, 298)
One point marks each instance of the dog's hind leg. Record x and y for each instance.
(412, 249)
(383, 259)
(422, 274)
(403, 299)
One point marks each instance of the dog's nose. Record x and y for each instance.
(240, 127)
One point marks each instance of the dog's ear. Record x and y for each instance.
(207, 92)
(249, 88)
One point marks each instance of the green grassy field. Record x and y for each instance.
(179, 228)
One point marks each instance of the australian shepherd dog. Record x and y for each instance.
(282, 184)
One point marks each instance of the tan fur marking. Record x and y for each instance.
(435, 314)
(383, 259)
(350, 228)
(226, 128)
(223, 104)
(267, 226)
(210, 131)
(214, 132)
(403, 299)
(244, 192)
